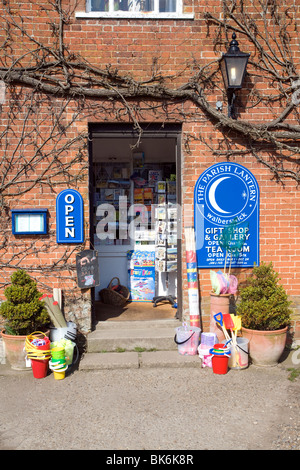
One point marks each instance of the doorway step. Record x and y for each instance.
(134, 311)
(134, 344)
(130, 335)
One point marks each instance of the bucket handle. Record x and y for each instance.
(213, 353)
(246, 352)
(182, 342)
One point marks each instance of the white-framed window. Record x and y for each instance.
(134, 9)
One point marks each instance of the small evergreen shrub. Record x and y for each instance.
(23, 311)
(264, 303)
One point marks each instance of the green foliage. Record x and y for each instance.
(264, 303)
(23, 311)
(294, 373)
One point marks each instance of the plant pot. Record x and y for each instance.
(265, 347)
(218, 303)
(15, 350)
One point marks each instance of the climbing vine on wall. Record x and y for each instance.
(50, 88)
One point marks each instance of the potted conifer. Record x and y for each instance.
(265, 312)
(24, 314)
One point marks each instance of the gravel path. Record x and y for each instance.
(137, 409)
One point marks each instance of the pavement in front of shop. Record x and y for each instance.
(156, 401)
(146, 359)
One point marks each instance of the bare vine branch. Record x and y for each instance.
(51, 88)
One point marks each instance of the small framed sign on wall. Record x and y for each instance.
(29, 221)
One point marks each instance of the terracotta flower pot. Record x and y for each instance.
(265, 347)
(218, 303)
(15, 350)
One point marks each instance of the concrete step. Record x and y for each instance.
(135, 360)
(130, 324)
(150, 359)
(149, 335)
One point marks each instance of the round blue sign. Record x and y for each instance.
(226, 191)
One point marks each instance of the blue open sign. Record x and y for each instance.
(69, 217)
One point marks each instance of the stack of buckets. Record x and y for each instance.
(38, 351)
(43, 354)
(58, 362)
(207, 342)
(220, 354)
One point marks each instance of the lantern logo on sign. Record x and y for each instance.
(225, 192)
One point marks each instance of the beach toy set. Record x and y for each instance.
(58, 362)
(44, 355)
(220, 354)
(238, 345)
(37, 347)
(233, 353)
(68, 347)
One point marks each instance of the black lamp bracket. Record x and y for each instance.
(231, 100)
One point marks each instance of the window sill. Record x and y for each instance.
(135, 15)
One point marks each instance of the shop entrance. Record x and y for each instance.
(136, 219)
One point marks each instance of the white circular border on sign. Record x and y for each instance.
(220, 172)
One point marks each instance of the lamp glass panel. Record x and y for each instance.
(235, 70)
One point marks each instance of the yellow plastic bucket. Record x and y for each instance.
(58, 370)
(59, 374)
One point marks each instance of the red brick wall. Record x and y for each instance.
(175, 48)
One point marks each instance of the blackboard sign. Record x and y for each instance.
(87, 266)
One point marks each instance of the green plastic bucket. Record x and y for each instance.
(58, 353)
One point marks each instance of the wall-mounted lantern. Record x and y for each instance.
(233, 67)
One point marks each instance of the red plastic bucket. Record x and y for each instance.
(219, 359)
(220, 364)
(40, 366)
(219, 346)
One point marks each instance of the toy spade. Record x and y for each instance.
(219, 319)
(228, 322)
(237, 320)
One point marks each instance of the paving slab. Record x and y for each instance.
(168, 359)
(103, 361)
(129, 339)
(139, 324)
(130, 359)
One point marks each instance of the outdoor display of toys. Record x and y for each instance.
(43, 355)
(58, 362)
(56, 355)
(38, 352)
(232, 354)
(220, 354)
